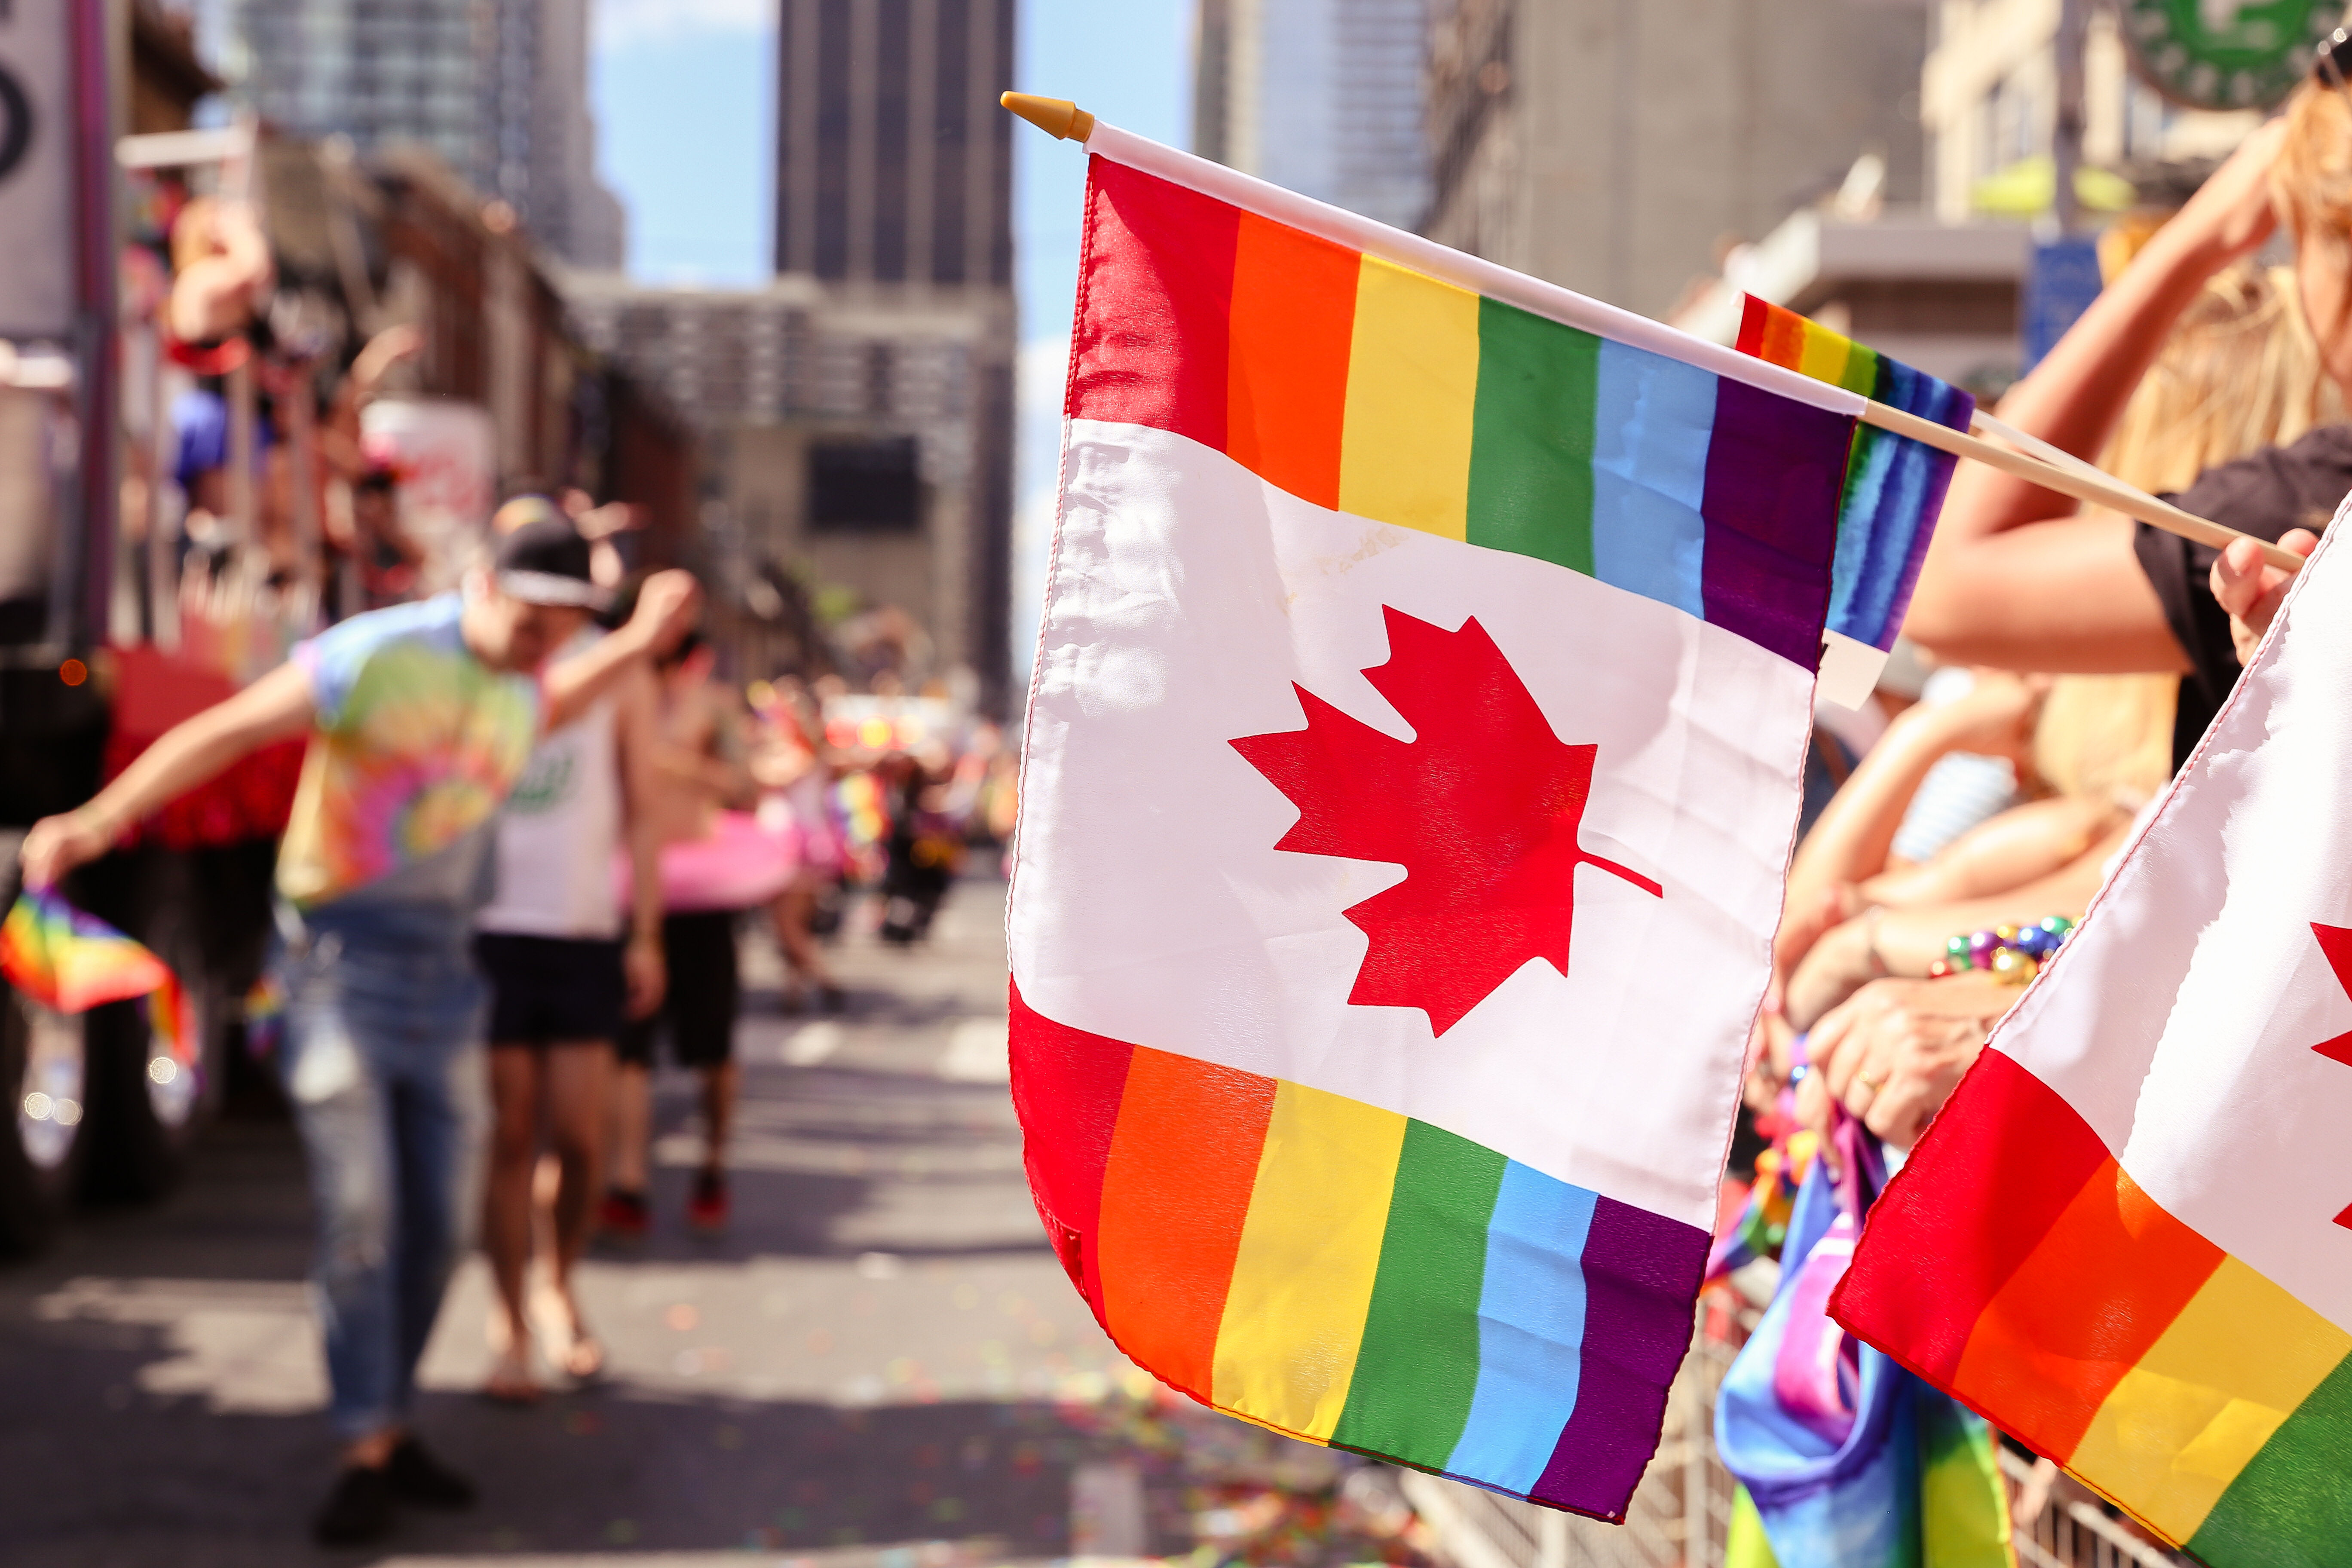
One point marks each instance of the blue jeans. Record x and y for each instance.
(382, 1060)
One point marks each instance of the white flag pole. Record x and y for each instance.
(2039, 463)
(2070, 476)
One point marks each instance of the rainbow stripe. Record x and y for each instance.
(2105, 1333)
(1894, 485)
(1363, 386)
(170, 1014)
(69, 961)
(1353, 1277)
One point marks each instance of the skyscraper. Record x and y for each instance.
(894, 162)
(498, 88)
(893, 211)
(1322, 97)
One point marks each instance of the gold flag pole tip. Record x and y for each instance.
(1055, 116)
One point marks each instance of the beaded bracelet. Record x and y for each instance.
(2014, 955)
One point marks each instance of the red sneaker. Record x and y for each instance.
(705, 1209)
(623, 1215)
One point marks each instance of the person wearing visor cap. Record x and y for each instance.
(561, 979)
(420, 719)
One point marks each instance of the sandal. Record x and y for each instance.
(576, 1352)
(510, 1382)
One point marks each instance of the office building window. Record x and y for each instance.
(864, 487)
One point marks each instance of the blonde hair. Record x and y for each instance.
(2239, 372)
(2311, 179)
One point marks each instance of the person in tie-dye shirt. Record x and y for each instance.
(420, 719)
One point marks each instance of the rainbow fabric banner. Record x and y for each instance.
(1468, 1314)
(2127, 1238)
(1428, 654)
(1844, 1458)
(1894, 485)
(1364, 386)
(69, 961)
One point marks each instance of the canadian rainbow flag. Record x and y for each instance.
(2127, 1238)
(1413, 756)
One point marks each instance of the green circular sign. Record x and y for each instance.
(2225, 53)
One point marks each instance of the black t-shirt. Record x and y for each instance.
(2264, 495)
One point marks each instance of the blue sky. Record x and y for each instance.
(683, 92)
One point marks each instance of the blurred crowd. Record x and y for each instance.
(2062, 664)
(526, 813)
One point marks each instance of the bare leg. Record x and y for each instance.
(633, 1115)
(717, 1114)
(793, 910)
(578, 1086)
(506, 1221)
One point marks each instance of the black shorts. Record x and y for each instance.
(546, 990)
(703, 996)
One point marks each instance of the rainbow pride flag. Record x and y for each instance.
(1844, 1459)
(2128, 1238)
(69, 961)
(1362, 385)
(1894, 485)
(1429, 653)
(1468, 1314)
(170, 1014)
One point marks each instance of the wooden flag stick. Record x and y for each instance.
(2074, 478)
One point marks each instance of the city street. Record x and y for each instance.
(879, 1353)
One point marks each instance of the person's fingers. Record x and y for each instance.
(1894, 1112)
(1813, 1104)
(2237, 577)
(1831, 1050)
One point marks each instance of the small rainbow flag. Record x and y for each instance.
(171, 1016)
(69, 961)
(264, 1016)
(1894, 485)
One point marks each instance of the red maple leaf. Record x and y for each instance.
(1482, 809)
(2335, 941)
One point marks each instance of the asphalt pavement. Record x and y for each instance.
(878, 1363)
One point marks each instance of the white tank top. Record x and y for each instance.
(558, 835)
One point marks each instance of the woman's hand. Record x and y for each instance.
(59, 844)
(2252, 590)
(1892, 1053)
(1840, 962)
(2231, 215)
(648, 973)
(1996, 718)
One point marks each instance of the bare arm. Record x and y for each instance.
(1907, 942)
(667, 607)
(1849, 841)
(277, 705)
(2015, 575)
(634, 734)
(708, 768)
(215, 295)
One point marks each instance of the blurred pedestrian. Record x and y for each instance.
(794, 769)
(561, 978)
(420, 719)
(926, 845)
(699, 767)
